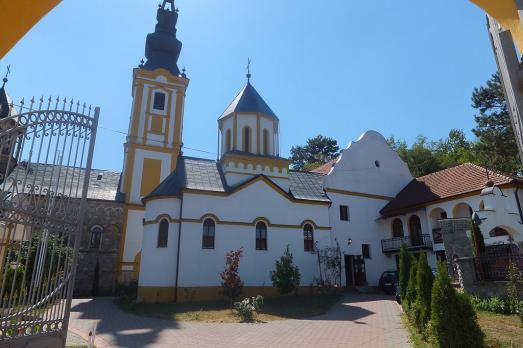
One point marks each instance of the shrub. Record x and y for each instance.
(453, 320)
(478, 242)
(231, 282)
(405, 262)
(513, 286)
(421, 307)
(248, 306)
(286, 277)
(410, 295)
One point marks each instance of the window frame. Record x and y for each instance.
(164, 101)
(266, 142)
(207, 236)
(162, 241)
(365, 251)
(344, 213)
(228, 140)
(246, 135)
(308, 238)
(99, 231)
(261, 236)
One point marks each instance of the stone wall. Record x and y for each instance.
(97, 267)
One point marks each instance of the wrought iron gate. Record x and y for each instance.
(46, 150)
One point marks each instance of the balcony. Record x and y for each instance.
(393, 245)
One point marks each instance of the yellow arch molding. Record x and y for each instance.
(506, 13)
(18, 17)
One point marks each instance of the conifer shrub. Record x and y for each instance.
(286, 276)
(453, 322)
(478, 242)
(405, 261)
(421, 306)
(410, 296)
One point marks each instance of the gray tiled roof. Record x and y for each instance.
(248, 100)
(103, 184)
(206, 175)
(306, 185)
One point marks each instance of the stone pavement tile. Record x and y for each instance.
(359, 320)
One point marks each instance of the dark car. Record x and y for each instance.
(388, 282)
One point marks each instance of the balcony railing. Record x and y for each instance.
(394, 244)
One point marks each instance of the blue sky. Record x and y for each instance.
(333, 67)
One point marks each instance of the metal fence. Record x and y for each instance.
(46, 150)
(493, 266)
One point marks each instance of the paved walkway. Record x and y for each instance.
(359, 320)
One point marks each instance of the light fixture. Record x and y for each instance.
(349, 241)
(476, 219)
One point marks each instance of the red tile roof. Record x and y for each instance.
(325, 168)
(465, 178)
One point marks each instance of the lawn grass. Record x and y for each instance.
(502, 331)
(277, 308)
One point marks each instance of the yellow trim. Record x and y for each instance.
(151, 174)
(135, 146)
(18, 17)
(506, 13)
(136, 265)
(153, 75)
(157, 125)
(235, 223)
(359, 194)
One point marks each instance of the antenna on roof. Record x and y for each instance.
(248, 69)
(6, 75)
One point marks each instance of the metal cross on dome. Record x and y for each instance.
(248, 69)
(6, 75)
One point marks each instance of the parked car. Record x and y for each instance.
(388, 282)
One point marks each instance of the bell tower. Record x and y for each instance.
(154, 138)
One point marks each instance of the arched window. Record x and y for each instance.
(498, 232)
(261, 236)
(266, 144)
(246, 139)
(397, 228)
(208, 234)
(163, 234)
(96, 237)
(415, 232)
(228, 140)
(308, 238)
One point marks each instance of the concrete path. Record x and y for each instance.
(359, 320)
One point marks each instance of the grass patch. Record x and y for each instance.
(415, 338)
(502, 331)
(277, 308)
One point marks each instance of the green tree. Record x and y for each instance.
(410, 296)
(317, 151)
(453, 322)
(496, 145)
(420, 157)
(478, 242)
(405, 263)
(286, 276)
(454, 150)
(424, 279)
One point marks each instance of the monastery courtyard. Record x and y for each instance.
(358, 320)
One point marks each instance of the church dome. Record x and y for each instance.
(248, 101)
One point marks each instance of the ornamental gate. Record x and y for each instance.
(46, 150)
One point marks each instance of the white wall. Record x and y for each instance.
(355, 169)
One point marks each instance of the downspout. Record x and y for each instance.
(178, 251)
(519, 203)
